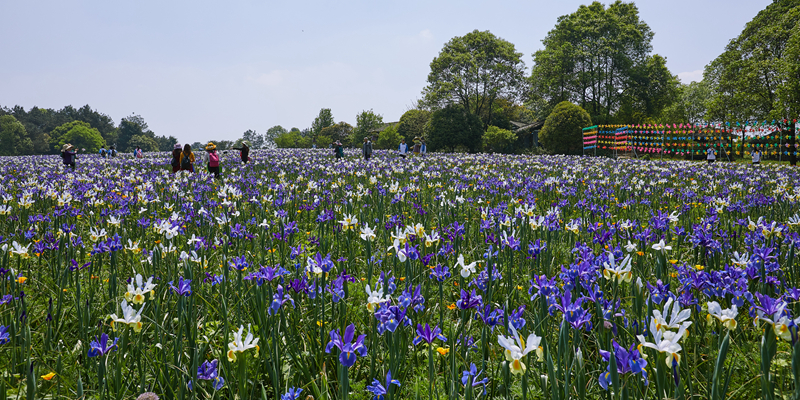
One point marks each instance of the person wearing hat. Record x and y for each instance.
(187, 158)
(244, 151)
(366, 149)
(176, 158)
(417, 146)
(213, 159)
(339, 150)
(68, 155)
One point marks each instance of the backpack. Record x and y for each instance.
(213, 159)
(175, 161)
(113, 153)
(186, 163)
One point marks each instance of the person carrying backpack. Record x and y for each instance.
(103, 152)
(112, 151)
(366, 149)
(213, 159)
(176, 158)
(711, 154)
(187, 158)
(138, 153)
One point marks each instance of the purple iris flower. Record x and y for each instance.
(470, 377)
(183, 289)
(5, 337)
(573, 313)
(440, 273)
(660, 292)
(266, 274)
(239, 263)
(489, 317)
(292, 394)
(536, 248)
(378, 389)
(347, 348)
(768, 305)
(515, 318)
(412, 297)
(390, 318)
(628, 361)
(469, 300)
(100, 347)
(428, 335)
(6, 299)
(208, 371)
(278, 300)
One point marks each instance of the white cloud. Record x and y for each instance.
(691, 76)
(426, 35)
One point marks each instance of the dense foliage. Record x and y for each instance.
(452, 127)
(561, 133)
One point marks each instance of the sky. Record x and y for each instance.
(201, 70)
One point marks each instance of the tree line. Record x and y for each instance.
(597, 66)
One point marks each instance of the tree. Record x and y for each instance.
(747, 78)
(341, 132)
(323, 120)
(166, 143)
(789, 92)
(146, 143)
(452, 127)
(690, 105)
(79, 134)
(14, 138)
(498, 140)
(256, 140)
(600, 58)
(272, 134)
(366, 121)
(129, 127)
(412, 124)
(562, 130)
(102, 122)
(388, 139)
(474, 70)
(292, 139)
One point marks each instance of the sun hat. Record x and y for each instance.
(177, 146)
(211, 146)
(66, 147)
(246, 143)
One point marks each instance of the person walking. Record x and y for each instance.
(69, 154)
(403, 148)
(187, 158)
(366, 149)
(213, 159)
(176, 158)
(244, 151)
(112, 152)
(756, 154)
(103, 152)
(138, 153)
(417, 146)
(711, 154)
(423, 148)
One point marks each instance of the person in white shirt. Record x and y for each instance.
(756, 154)
(711, 154)
(403, 148)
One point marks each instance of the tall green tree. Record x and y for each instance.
(366, 121)
(133, 125)
(256, 140)
(342, 132)
(453, 127)
(78, 133)
(789, 92)
(412, 124)
(474, 70)
(272, 134)
(748, 76)
(322, 121)
(562, 130)
(388, 139)
(690, 105)
(14, 138)
(145, 142)
(600, 58)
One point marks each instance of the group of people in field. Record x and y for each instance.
(183, 158)
(711, 156)
(419, 148)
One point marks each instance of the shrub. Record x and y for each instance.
(498, 140)
(562, 133)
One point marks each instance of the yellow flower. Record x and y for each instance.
(21, 279)
(443, 351)
(49, 376)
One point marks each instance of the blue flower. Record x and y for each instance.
(380, 390)
(347, 349)
(292, 394)
(100, 347)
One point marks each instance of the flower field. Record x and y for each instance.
(450, 276)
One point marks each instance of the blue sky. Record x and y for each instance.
(201, 70)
